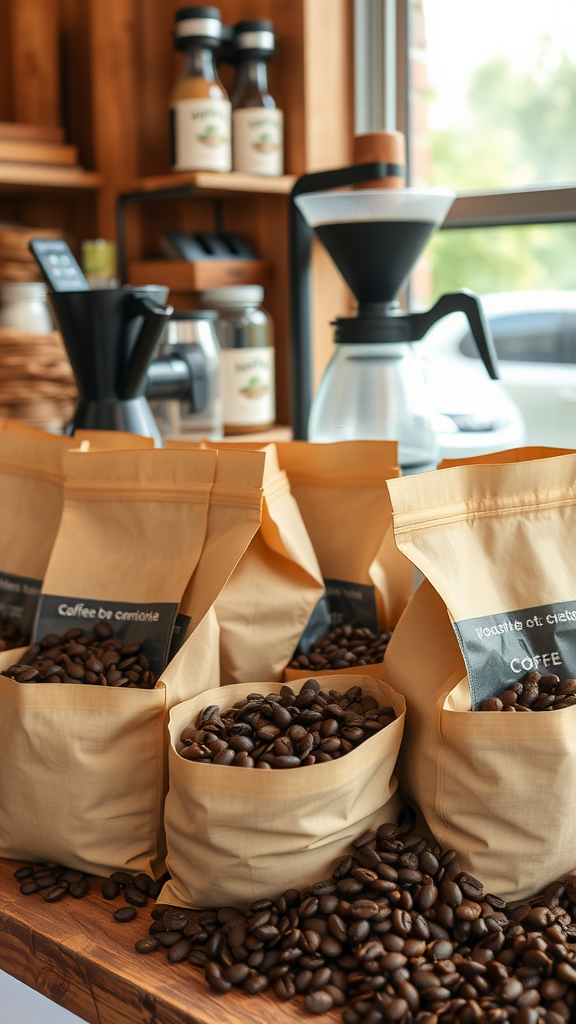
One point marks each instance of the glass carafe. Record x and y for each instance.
(378, 392)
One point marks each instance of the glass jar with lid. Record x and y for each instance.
(200, 111)
(246, 337)
(24, 307)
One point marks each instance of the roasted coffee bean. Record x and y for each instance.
(124, 914)
(147, 945)
(344, 647)
(21, 873)
(110, 889)
(82, 659)
(56, 894)
(217, 982)
(80, 889)
(318, 1002)
(179, 951)
(29, 887)
(309, 728)
(135, 897)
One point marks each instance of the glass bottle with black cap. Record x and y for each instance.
(257, 124)
(200, 111)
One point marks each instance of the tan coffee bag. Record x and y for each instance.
(497, 542)
(265, 605)
(111, 440)
(236, 835)
(31, 484)
(341, 492)
(82, 766)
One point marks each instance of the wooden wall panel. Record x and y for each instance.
(6, 100)
(77, 77)
(34, 61)
(328, 119)
(113, 54)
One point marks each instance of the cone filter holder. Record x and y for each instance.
(375, 236)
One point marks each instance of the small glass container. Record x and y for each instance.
(24, 307)
(246, 337)
(257, 123)
(189, 331)
(200, 111)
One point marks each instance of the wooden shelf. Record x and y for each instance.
(198, 275)
(216, 183)
(23, 177)
(74, 953)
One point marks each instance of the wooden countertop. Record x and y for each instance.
(76, 954)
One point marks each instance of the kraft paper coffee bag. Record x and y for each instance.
(107, 440)
(83, 766)
(341, 492)
(31, 485)
(497, 545)
(236, 835)
(276, 586)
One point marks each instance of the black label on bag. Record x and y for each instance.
(500, 649)
(319, 623)
(179, 634)
(352, 604)
(150, 625)
(19, 600)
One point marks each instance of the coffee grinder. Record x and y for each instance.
(374, 386)
(110, 336)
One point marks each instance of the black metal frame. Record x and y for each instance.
(154, 195)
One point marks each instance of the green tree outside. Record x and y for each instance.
(520, 130)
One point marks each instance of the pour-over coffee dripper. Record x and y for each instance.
(374, 386)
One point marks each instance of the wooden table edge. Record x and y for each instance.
(74, 953)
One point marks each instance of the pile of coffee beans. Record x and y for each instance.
(285, 730)
(534, 692)
(11, 636)
(399, 933)
(52, 881)
(344, 647)
(77, 658)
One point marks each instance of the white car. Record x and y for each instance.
(535, 338)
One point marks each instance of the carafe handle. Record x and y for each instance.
(155, 318)
(461, 302)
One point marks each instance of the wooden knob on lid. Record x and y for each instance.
(384, 147)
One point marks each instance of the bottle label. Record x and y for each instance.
(201, 135)
(248, 386)
(257, 134)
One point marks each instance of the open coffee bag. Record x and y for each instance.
(267, 602)
(496, 544)
(341, 492)
(31, 483)
(236, 835)
(83, 766)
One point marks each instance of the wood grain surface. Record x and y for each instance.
(76, 954)
(198, 275)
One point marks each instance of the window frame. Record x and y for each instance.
(382, 37)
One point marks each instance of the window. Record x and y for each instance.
(493, 95)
